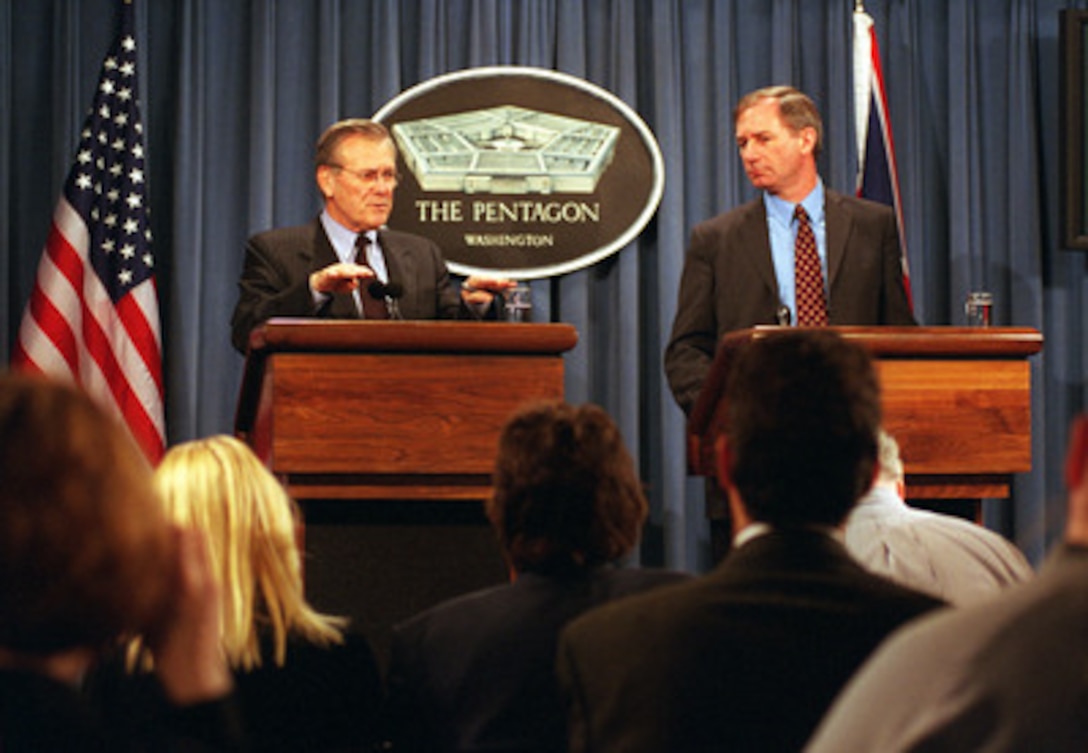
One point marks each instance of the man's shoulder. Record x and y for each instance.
(468, 607)
(636, 576)
(291, 234)
(928, 528)
(819, 568)
(855, 205)
(750, 211)
(661, 598)
(604, 586)
(403, 238)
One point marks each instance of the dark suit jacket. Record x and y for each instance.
(478, 672)
(278, 263)
(38, 713)
(728, 282)
(746, 658)
(321, 699)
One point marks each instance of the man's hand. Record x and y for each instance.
(343, 277)
(479, 291)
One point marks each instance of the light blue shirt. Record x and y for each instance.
(782, 231)
(343, 244)
(948, 557)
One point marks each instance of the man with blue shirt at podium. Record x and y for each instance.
(745, 267)
(346, 264)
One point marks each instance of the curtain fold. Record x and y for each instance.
(237, 91)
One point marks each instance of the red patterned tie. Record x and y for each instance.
(373, 308)
(808, 279)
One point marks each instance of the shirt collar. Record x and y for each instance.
(757, 528)
(341, 238)
(749, 532)
(781, 211)
(882, 494)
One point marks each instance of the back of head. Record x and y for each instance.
(85, 553)
(802, 420)
(219, 486)
(566, 494)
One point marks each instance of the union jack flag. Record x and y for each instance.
(878, 175)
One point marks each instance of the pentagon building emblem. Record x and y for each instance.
(522, 172)
(506, 150)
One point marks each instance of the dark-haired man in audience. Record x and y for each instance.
(478, 672)
(748, 657)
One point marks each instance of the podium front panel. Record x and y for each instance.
(959, 417)
(396, 425)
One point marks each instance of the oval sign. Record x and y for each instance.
(521, 172)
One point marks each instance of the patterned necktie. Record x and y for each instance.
(808, 278)
(373, 308)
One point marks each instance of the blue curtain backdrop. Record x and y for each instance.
(235, 93)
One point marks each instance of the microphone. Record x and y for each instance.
(782, 315)
(390, 291)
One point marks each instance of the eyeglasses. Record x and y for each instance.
(370, 177)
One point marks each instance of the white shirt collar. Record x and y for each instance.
(757, 528)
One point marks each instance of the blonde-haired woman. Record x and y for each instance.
(218, 485)
(303, 684)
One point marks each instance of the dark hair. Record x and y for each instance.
(796, 109)
(85, 552)
(325, 153)
(566, 494)
(803, 412)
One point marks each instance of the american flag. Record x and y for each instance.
(878, 175)
(93, 316)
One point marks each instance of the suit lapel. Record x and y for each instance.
(754, 235)
(837, 223)
(401, 267)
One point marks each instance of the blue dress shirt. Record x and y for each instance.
(782, 231)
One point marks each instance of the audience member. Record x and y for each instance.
(1002, 676)
(942, 555)
(478, 672)
(748, 657)
(301, 682)
(87, 557)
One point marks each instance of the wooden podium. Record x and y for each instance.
(391, 410)
(385, 433)
(957, 399)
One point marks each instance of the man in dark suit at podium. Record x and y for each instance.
(739, 270)
(326, 268)
(748, 657)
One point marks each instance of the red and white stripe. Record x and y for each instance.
(72, 330)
